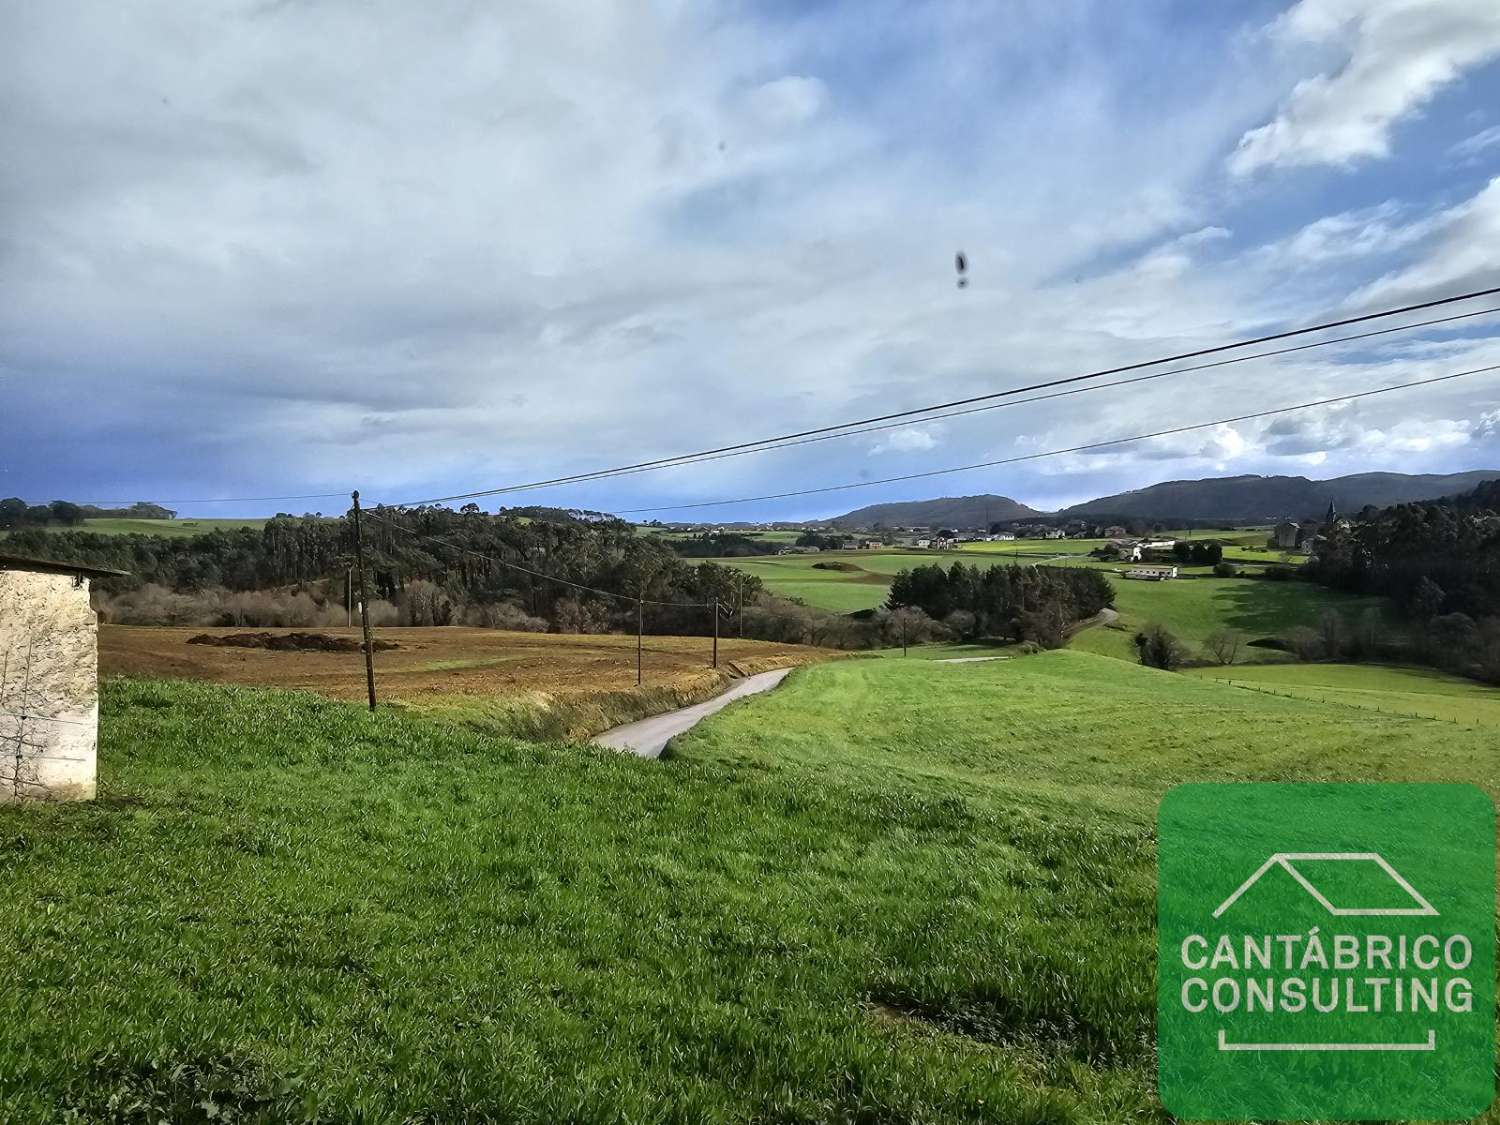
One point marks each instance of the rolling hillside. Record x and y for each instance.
(894, 890)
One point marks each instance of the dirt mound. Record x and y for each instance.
(288, 642)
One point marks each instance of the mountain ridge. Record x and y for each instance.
(943, 511)
(1252, 497)
(1249, 498)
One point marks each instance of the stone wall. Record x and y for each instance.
(49, 687)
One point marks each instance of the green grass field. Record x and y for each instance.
(175, 529)
(864, 586)
(1192, 608)
(893, 890)
(865, 576)
(1375, 687)
(865, 579)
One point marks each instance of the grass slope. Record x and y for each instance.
(1375, 687)
(891, 890)
(1195, 607)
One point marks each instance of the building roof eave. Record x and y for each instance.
(52, 566)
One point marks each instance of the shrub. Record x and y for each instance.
(503, 615)
(1158, 648)
(1304, 642)
(1225, 569)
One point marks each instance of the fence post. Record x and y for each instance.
(364, 601)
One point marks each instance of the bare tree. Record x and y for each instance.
(1333, 633)
(1224, 645)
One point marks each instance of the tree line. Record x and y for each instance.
(1032, 603)
(16, 513)
(435, 566)
(455, 560)
(1439, 562)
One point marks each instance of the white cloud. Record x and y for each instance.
(1460, 255)
(446, 246)
(1394, 57)
(790, 100)
(1471, 148)
(913, 439)
(1364, 233)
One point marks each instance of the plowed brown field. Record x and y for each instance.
(445, 661)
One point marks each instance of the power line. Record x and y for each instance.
(698, 459)
(925, 413)
(1071, 449)
(688, 458)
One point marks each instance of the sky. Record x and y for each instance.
(274, 248)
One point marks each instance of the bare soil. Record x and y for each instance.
(445, 661)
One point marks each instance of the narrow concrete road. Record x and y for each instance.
(1105, 616)
(968, 659)
(648, 737)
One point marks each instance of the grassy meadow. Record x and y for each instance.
(1374, 687)
(846, 581)
(173, 529)
(892, 890)
(1193, 608)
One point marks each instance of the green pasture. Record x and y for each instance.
(863, 586)
(1374, 687)
(175, 529)
(1192, 608)
(892, 890)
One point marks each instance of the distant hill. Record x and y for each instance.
(1256, 498)
(948, 511)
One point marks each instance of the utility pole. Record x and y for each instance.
(349, 595)
(903, 634)
(639, 617)
(739, 602)
(364, 601)
(716, 630)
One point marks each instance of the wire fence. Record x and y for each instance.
(1309, 697)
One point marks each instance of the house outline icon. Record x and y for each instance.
(1285, 860)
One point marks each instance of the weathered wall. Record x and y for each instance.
(49, 687)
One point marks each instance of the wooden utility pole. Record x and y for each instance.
(639, 617)
(716, 630)
(364, 601)
(349, 595)
(739, 608)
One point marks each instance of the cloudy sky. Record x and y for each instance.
(284, 247)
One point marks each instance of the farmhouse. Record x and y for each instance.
(49, 683)
(1285, 535)
(1151, 573)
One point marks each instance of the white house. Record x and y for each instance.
(49, 680)
(1151, 573)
